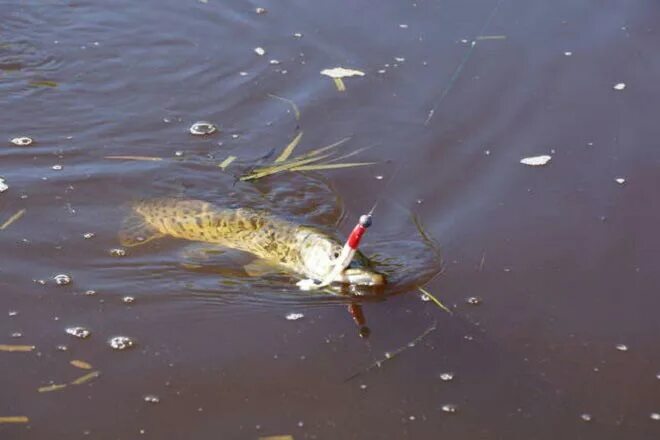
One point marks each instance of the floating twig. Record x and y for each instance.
(86, 378)
(12, 219)
(81, 364)
(50, 388)
(14, 419)
(225, 163)
(21, 348)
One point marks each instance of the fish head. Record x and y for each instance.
(319, 254)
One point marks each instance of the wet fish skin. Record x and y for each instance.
(299, 249)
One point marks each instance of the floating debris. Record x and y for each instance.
(151, 398)
(118, 252)
(260, 51)
(14, 419)
(128, 300)
(145, 158)
(435, 300)
(294, 316)
(338, 73)
(619, 180)
(78, 332)
(260, 11)
(568, 53)
(3, 186)
(121, 342)
(57, 167)
(491, 37)
(403, 26)
(88, 235)
(450, 408)
(297, 35)
(448, 376)
(277, 437)
(90, 292)
(53, 387)
(536, 161)
(474, 300)
(621, 347)
(12, 313)
(619, 86)
(202, 128)
(286, 152)
(62, 279)
(22, 141)
(44, 83)
(18, 348)
(86, 378)
(586, 417)
(654, 416)
(12, 219)
(81, 364)
(225, 163)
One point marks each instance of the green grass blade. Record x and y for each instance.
(293, 105)
(324, 149)
(284, 155)
(331, 166)
(435, 300)
(286, 166)
(225, 163)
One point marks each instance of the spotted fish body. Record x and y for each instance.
(295, 248)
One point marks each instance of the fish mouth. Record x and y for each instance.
(361, 277)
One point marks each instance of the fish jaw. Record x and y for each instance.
(360, 277)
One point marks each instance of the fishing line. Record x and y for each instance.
(461, 65)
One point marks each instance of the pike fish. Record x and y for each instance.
(302, 250)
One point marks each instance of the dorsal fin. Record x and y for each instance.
(136, 231)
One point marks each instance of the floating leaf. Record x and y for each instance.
(435, 300)
(22, 348)
(43, 83)
(81, 364)
(12, 219)
(86, 378)
(225, 163)
(134, 158)
(536, 161)
(49, 388)
(14, 419)
(284, 155)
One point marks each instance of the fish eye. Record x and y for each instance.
(336, 254)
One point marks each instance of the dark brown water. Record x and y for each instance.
(564, 258)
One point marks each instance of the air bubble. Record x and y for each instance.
(62, 279)
(79, 332)
(202, 128)
(121, 342)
